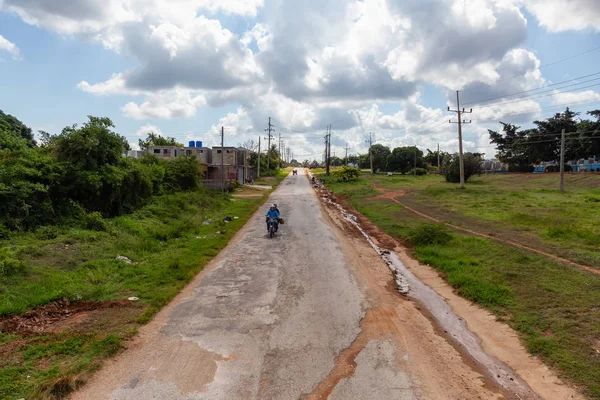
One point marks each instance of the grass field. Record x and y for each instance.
(168, 242)
(555, 307)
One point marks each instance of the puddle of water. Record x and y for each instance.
(409, 285)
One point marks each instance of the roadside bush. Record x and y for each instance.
(9, 263)
(94, 222)
(346, 174)
(182, 173)
(429, 234)
(417, 171)
(451, 166)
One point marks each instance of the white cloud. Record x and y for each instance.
(169, 104)
(563, 15)
(574, 97)
(7, 45)
(144, 130)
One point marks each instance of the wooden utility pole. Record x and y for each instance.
(269, 130)
(460, 146)
(258, 163)
(222, 160)
(562, 161)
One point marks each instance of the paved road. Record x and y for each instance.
(290, 317)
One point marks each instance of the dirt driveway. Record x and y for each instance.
(312, 313)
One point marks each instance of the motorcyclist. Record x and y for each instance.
(273, 213)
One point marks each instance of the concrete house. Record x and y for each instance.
(235, 163)
(166, 152)
(203, 154)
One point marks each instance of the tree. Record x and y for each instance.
(380, 154)
(431, 157)
(306, 163)
(249, 144)
(156, 140)
(513, 148)
(402, 159)
(451, 166)
(11, 124)
(91, 146)
(335, 161)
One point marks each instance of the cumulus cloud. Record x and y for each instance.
(144, 130)
(169, 104)
(7, 45)
(574, 97)
(307, 64)
(561, 15)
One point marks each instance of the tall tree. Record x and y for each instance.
(11, 124)
(380, 154)
(402, 159)
(157, 140)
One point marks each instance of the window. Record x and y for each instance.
(165, 151)
(156, 151)
(228, 152)
(218, 151)
(188, 152)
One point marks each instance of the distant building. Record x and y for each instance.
(166, 152)
(494, 165)
(231, 163)
(203, 154)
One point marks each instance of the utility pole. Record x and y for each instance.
(370, 152)
(460, 146)
(562, 161)
(439, 166)
(415, 167)
(258, 163)
(222, 160)
(346, 156)
(279, 161)
(327, 151)
(269, 130)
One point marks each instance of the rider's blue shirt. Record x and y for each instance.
(272, 213)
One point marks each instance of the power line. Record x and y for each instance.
(530, 90)
(541, 67)
(539, 97)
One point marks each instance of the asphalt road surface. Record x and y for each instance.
(312, 313)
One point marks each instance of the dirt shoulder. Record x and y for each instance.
(497, 339)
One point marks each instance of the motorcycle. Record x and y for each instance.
(272, 226)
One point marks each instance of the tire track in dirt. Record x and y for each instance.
(391, 195)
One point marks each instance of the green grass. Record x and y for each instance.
(169, 241)
(553, 306)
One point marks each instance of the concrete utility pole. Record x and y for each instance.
(222, 160)
(258, 162)
(562, 161)
(327, 140)
(279, 160)
(269, 130)
(460, 146)
(370, 141)
(439, 166)
(346, 156)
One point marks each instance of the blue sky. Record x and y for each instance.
(185, 71)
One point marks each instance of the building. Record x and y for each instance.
(203, 154)
(231, 163)
(494, 165)
(166, 152)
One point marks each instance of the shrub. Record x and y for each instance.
(429, 234)
(417, 171)
(9, 263)
(346, 174)
(94, 222)
(451, 166)
(182, 173)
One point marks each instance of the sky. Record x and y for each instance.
(186, 68)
